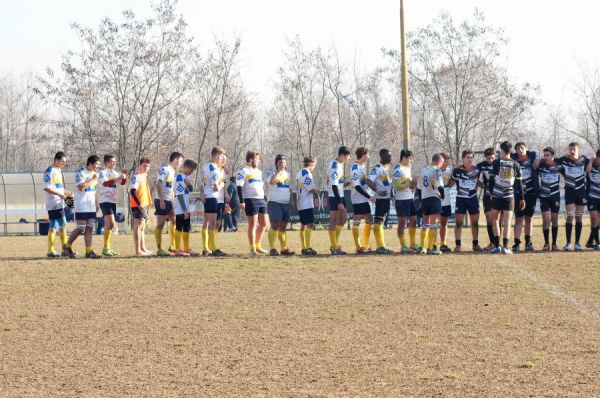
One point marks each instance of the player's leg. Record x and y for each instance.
(87, 236)
(161, 218)
(546, 221)
(443, 230)
(283, 245)
(172, 226)
(79, 229)
(368, 227)
(412, 232)
(341, 221)
(402, 221)
(179, 250)
(506, 220)
(333, 223)
(459, 214)
(519, 221)
(578, 225)
(275, 216)
(263, 224)
(570, 208)
(382, 208)
(433, 223)
(356, 219)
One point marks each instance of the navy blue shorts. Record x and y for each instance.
(333, 203)
(593, 204)
(361, 209)
(431, 205)
(211, 206)
(551, 204)
(487, 203)
(503, 204)
(307, 216)
(278, 212)
(108, 209)
(529, 210)
(467, 205)
(446, 211)
(139, 213)
(85, 216)
(578, 197)
(406, 208)
(382, 208)
(183, 224)
(162, 212)
(255, 206)
(56, 218)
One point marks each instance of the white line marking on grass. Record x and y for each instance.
(550, 289)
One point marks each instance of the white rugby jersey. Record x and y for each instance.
(251, 181)
(212, 175)
(85, 201)
(335, 176)
(166, 174)
(281, 190)
(446, 176)
(304, 185)
(401, 179)
(110, 193)
(181, 189)
(381, 178)
(359, 179)
(430, 179)
(53, 179)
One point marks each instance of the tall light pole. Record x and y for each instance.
(404, 82)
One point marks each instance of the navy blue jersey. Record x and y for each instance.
(574, 172)
(594, 183)
(528, 173)
(549, 179)
(485, 168)
(466, 181)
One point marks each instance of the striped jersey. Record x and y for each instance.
(505, 179)
(528, 173)
(466, 181)
(485, 168)
(549, 177)
(574, 172)
(359, 179)
(594, 183)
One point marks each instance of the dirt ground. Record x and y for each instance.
(461, 325)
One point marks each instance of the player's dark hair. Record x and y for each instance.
(436, 158)
(445, 155)
(574, 144)
(278, 158)
(361, 151)
(308, 160)
(489, 151)
(232, 179)
(598, 153)
(505, 146)
(343, 150)
(92, 160)
(175, 155)
(520, 144)
(405, 153)
(251, 155)
(59, 155)
(190, 164)
(108, 157)
(467, 152)
(549, 149)
(145, 159)
(385, 156)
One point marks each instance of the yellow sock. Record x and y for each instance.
(412, 232)
(63, 237)
(185, 237)
(333, 239)
(367, 234)
(356, 236)
(172, 229)
(107, 234)
(51, 237)
(431, 239)
(89, 249)
(378, 233)
(177, 241)
(402, 238)
(307, 235)
(423, 236)
(272, 235)
(303, 239)
(212, 239)
(158, 238)
(282, 240)
(205, 239)
(338, 233)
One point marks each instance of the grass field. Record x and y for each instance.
(463, 325)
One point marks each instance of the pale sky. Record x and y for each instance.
(548, 38)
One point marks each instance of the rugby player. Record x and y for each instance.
(406, 209)
(108, 192)
(305, 191)
(163, 203)
(466, 179)
(55, 195)
(278, 205)
(380, 182)
(361, 198)
(337, 202)
(431, 185)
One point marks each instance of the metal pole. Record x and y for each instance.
(404, 81)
